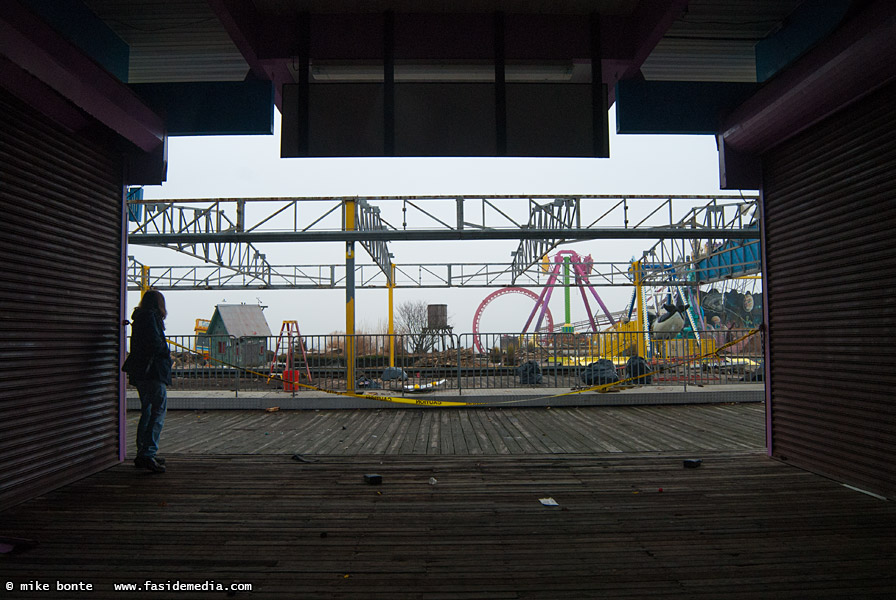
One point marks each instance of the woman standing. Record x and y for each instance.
(148, 366)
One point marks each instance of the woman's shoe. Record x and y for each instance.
(156, 465)
(153, 465)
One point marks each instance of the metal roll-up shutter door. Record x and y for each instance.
(60, 292)
(830, 222)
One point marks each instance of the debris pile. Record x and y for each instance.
(447, 359)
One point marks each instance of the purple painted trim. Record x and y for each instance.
(651, 20)
(122, 336)
(34, 46)
(857, 59)
(36, 94)
(236, 20)
(765, 329)
(646, 27)
(737, 170)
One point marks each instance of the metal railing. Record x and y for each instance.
(583, 360)
(447, 361)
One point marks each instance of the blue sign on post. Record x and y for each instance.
(135, 211)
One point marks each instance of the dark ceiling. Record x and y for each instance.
(225, 40)
(203, 67)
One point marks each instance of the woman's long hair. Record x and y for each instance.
(154, 300)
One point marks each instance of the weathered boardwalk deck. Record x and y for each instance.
(458, 525)
(469, 431)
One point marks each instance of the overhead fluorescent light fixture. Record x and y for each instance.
(442, 73)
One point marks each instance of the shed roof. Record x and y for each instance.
(242, 320)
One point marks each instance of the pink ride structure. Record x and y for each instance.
(566, 260)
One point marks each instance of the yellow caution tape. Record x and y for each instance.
(606, 386)
(414, 401)
(431, 402)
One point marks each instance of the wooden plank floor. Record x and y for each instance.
(471, 431)
(740, 526)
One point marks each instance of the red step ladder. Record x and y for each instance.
(289, 336)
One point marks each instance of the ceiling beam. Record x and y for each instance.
(854, 61)
(30, 43)
(646, 27)
(243, 24)
(269, 41)
(606, 233)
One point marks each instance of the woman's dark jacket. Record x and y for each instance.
(149, 359)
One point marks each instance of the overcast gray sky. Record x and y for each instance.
(250, 166)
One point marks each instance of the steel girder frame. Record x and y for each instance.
(209, 234)
(369, 276)
(241, 258)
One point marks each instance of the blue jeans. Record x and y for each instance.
(153, 404)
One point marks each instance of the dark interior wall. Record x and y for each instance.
(60, 303)
(830, 213)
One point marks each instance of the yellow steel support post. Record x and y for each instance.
(144, 279)
(391, 320)
(643, 323)
(349, 218)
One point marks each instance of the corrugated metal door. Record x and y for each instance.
(830, 218)
(60, 282)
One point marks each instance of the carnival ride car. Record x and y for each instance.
(677, 320)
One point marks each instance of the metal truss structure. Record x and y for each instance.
(244, 257)
(369, 220)
(368, 276)
(218, 232)
(561, 215)
(681, 257)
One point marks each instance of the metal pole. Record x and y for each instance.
(350, 298)
(459, 355)
(391, 320)
(566, 304)
(234, 360)
(144, 279)
(643, 323)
